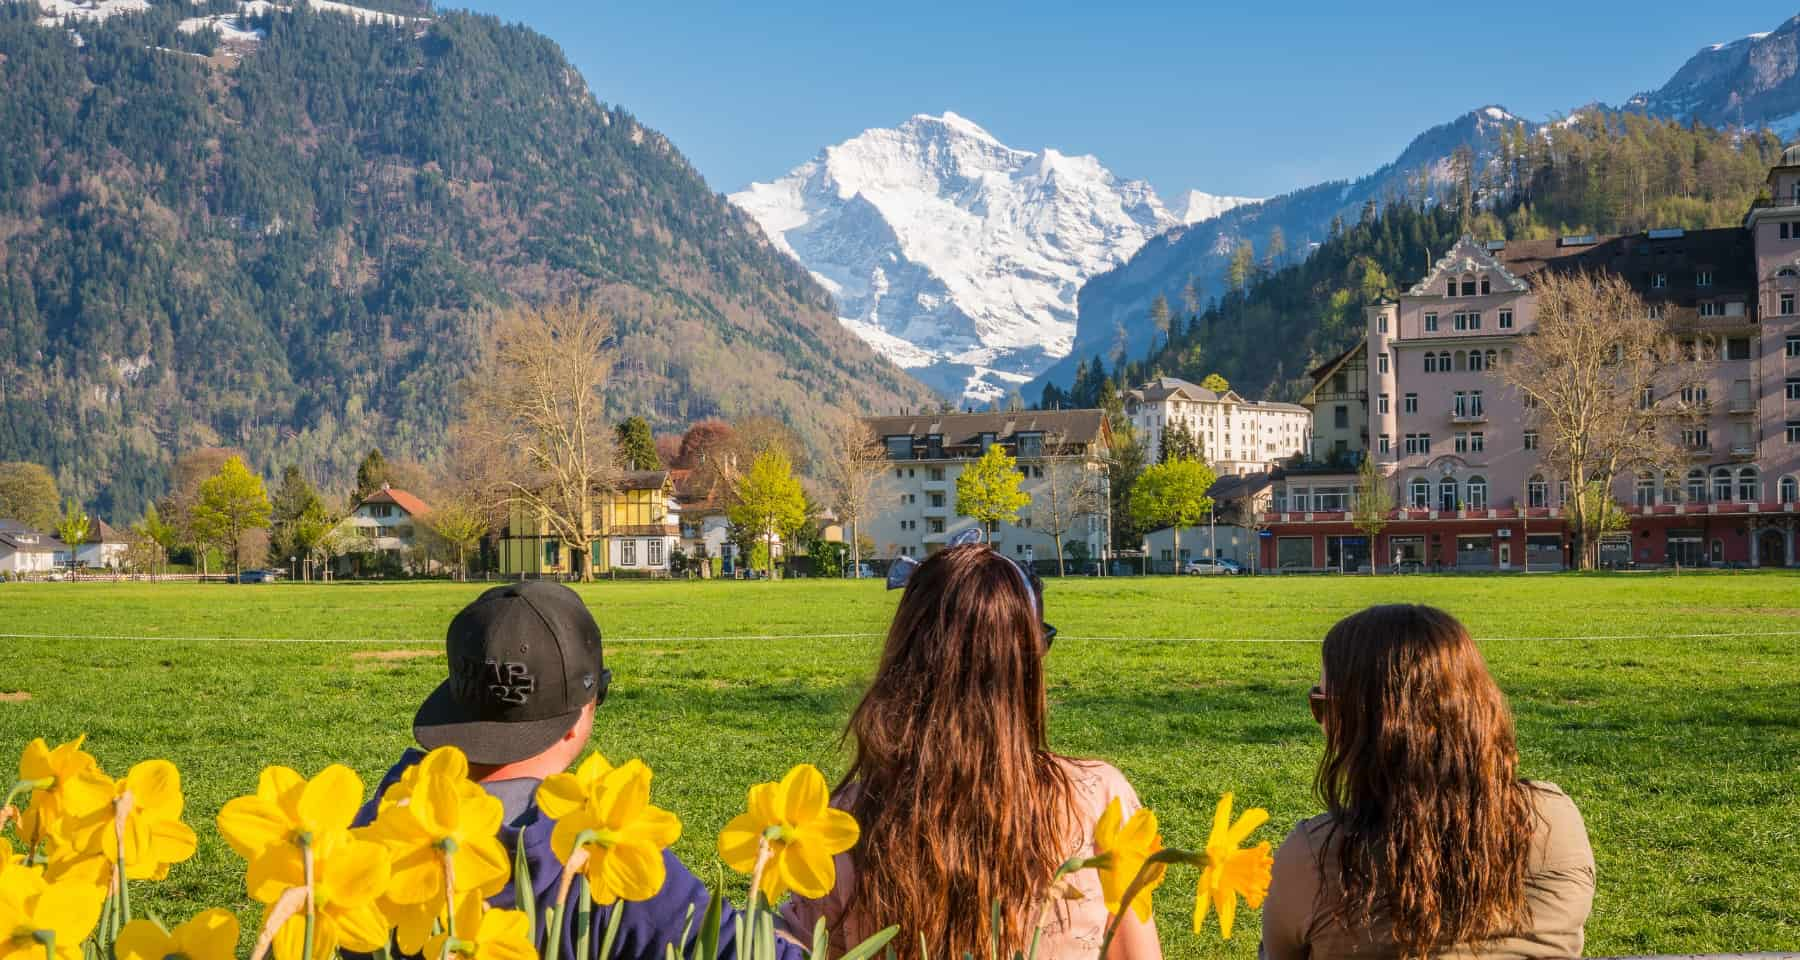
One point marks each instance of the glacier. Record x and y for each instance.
(955, 255)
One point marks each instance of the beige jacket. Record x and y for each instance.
(1559, 889)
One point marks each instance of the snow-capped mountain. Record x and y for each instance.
(1748, 82)
(958, 256)
(1199, 205)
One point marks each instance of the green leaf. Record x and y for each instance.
(821, 940)
(612, 930)
(524, 895)
(707, 946)
(869, 947)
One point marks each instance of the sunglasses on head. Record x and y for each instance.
(900, 573)
(1317, 699)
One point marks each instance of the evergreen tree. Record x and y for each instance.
(370, 475)
(294, 500)
(635, 446)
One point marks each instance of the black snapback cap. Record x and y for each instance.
(524, 660)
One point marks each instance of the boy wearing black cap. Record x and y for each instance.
(526, 673)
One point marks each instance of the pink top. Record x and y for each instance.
(1074, 931)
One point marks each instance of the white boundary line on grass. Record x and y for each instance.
(869, 635)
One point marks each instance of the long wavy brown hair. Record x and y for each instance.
(1431, 825)
(961, 802)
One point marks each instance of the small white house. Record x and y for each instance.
(387, 521)
(27, 551)
(105, 549)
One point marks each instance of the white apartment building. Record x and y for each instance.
(1235, 436)
(1062, 454)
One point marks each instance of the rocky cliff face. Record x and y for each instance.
(1747, 82)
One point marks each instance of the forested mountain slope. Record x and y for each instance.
(1602, 173)
(288, 241)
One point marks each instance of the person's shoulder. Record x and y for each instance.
(1553, 802)
(1560, 837)
(1097, 777)
(1310, 834)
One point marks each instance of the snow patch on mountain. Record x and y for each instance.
(955, 255)
(1199, 205)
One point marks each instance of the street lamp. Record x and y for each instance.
(293, 569)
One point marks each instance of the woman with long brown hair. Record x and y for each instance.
(961, 802)
(1430, 844)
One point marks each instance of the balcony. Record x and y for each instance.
(1743, 451)
(1698, 451)
(1741, 401)
(937, 511)
(1468, 416)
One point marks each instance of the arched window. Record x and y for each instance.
(1787, 272)
(1421, 493)
(1537, 492)
(1444, 362)
(1477, 493)
(1462, 361)
(1506, 355)
(1492, 356)
(1447, 494)
(1696, 486)
(1430, 362)
(1721, 485)
(1790, 490)
(1646, 490)
(1475, 360)
(1748, 490)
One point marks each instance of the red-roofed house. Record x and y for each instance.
(387, 521)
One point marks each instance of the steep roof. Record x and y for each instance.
(643, 479)
(963, 429)
(1329, 367)
(400, 498)
(1726, 252)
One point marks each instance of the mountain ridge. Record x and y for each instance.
(289, 244)
(955, 254)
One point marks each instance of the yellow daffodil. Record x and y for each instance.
(285, 806)
(210, 935)
(415, 923)
(483, 934)
(348, 875)
(154, 835)
(804, 832)
(1126, 845)
(1232, 872)
(441, 809)
(624, 834)
(67, 783)
(564, 793)
(31, 908)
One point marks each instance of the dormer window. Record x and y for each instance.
(987, 440)
(1485, 288)
(1468, 286)
(1450, 288)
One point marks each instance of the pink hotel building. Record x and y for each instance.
(1471, 488)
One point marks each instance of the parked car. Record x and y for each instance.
(254, 576)
(1206, 565)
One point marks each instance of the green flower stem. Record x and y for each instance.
(48, 939)
(312, 914)
(448, 847)
(23, 786)
(1163, 857)
(559, 911)
(584, 920)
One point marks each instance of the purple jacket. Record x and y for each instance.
(647, 926)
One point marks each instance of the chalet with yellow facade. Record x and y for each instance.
(640, 528)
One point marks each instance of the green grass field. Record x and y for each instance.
(1668, 707)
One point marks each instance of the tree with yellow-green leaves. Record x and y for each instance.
(1172, 494)
(768, 500)
(987, 491)
(232, 503)
(73, 528)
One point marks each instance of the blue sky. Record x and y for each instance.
(1241, 99)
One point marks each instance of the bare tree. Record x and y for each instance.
(535, 414)
(855, 466)
(1069, 495)
(1601, 382)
